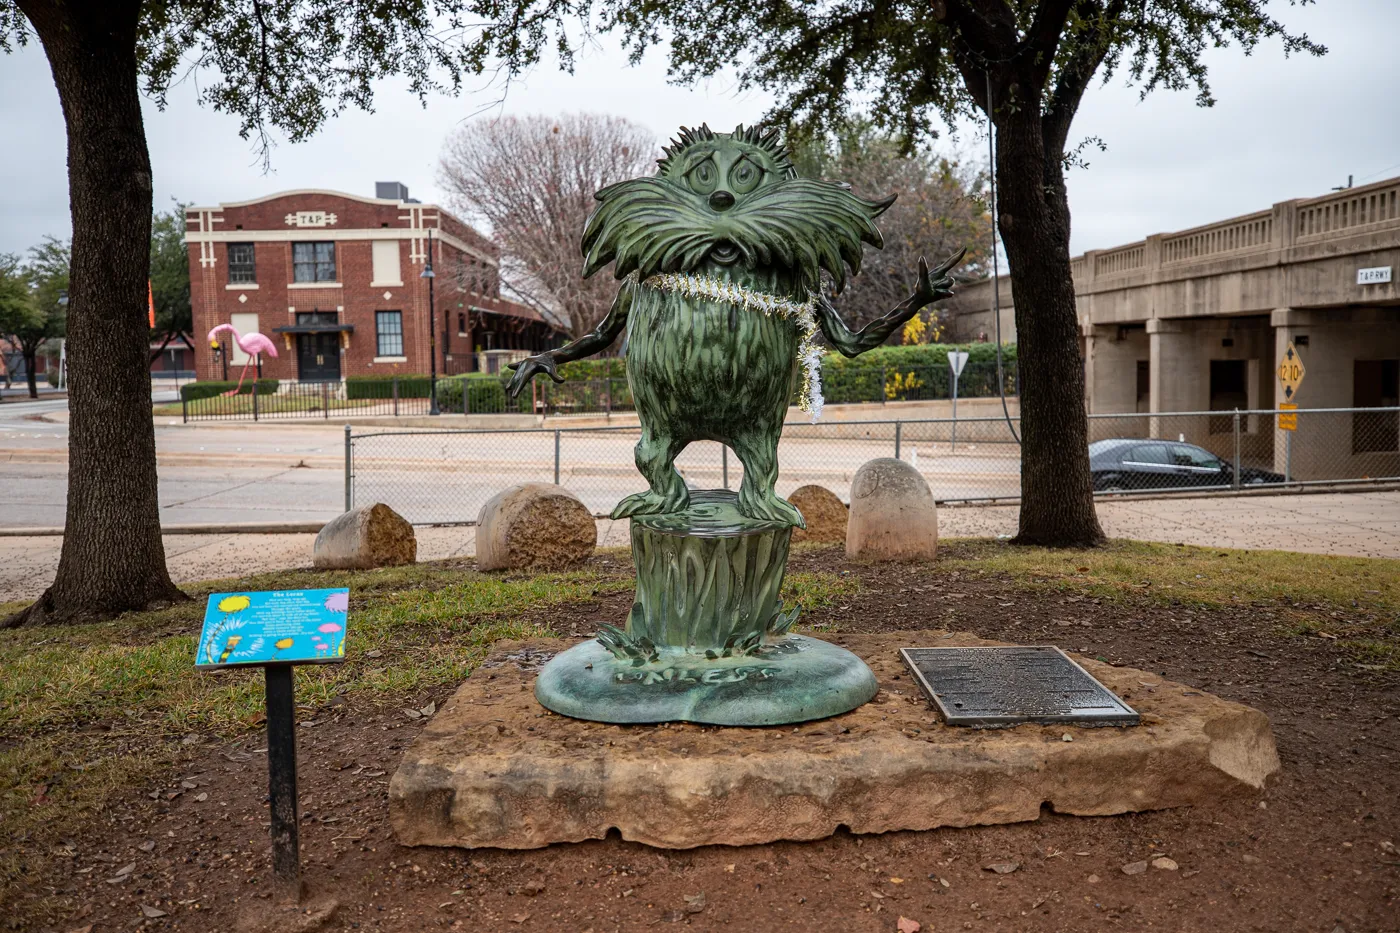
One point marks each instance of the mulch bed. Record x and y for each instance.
(1316, 852)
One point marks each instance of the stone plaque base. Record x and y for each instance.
(794, 679)
(494, 769)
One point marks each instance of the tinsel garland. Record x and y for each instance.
(748, 299)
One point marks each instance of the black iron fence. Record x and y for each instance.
(402, 396)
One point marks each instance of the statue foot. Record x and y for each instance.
(651, 503)
(771, 508)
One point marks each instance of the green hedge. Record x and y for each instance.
(197, 390)
(486, 393)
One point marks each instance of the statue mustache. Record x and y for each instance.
(651, 225)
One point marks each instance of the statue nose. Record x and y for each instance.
(721, 200)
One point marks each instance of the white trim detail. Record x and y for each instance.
(315, 284)
(386, 285)
(325, 192)
(241, 287)
(417, 249)
(391, 359)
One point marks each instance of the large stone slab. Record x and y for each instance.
(493, 768)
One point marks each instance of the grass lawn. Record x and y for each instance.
(87, 712)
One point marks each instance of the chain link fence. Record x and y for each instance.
(434, 477)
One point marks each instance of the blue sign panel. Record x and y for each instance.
(274, 627)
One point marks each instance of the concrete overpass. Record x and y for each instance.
(1198, 320)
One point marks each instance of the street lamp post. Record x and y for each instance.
(429, 274)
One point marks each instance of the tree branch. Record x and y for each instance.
(1076, 73)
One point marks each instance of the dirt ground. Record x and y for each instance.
(1315, 852)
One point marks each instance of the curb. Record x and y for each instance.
(214, 528)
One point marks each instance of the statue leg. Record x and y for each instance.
(758, 452)
(656, 457)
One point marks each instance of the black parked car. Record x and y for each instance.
(1122, 464)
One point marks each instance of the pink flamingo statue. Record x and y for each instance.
(252, 344)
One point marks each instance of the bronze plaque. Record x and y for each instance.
(1006, 685)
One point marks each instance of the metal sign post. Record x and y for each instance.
(957, 359)
(275, 631)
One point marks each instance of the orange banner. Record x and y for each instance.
(151, 303)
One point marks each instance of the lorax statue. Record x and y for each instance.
(720, 256)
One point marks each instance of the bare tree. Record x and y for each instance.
(532, 180)
(940, 208)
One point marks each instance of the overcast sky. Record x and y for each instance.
(1283, 128)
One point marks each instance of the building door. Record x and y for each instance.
(318, 354)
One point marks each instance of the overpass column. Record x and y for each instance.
(1177, 375)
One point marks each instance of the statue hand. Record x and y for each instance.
(937, 284)
(528, 368)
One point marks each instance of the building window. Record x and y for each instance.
(240, 264)
(461, 323)
(388, 331)
(1375, 384)
(313, 262)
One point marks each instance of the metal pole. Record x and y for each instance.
(897, 426)
(1288, 457)
(326, 401)
(349, 445)
(184, 408)
(1236, 482)
(556, 458)
(282, 780)
(724, 464)
(954, 445)
(429, 274)
(396, 396)
(255, 400)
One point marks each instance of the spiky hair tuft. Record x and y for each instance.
(759, 137)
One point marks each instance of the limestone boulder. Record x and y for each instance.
(893, 516)
(370, 536)
(489, 770)
(534, 526)
(824, 512)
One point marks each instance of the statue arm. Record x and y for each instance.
(597, 341)
(932, 286)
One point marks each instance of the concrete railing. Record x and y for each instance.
(1255, 231)
(1123, 259)
(1350, 211)
(1261, 238)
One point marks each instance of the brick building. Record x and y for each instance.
(334, 279)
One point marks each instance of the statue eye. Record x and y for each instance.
(702, 177)
(745, 176)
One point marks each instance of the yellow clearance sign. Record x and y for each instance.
(1287, 417)
(1290, 372)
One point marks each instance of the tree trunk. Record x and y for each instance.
(31, 360)
(113, 559)
(1057, 496)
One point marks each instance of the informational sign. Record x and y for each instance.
(957, 359)
(1376, 275)
(276, 629)
(1287, 417)
(1290, 372)
(273, 627)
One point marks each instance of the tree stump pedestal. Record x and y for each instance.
(708, 639)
